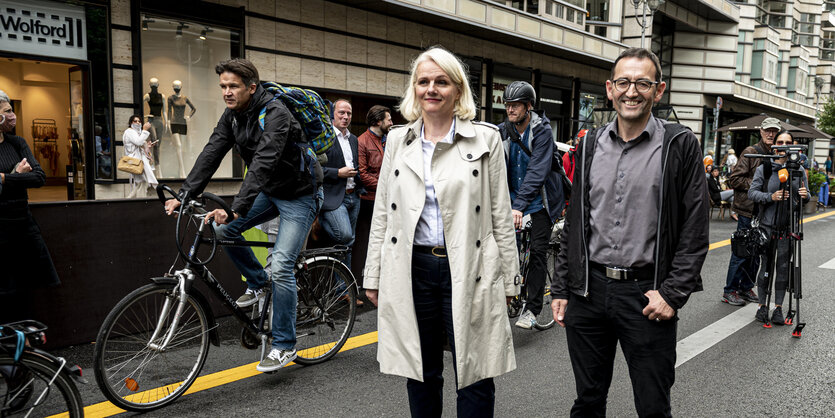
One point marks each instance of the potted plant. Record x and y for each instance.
(816, 179)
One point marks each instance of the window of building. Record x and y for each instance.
(180, 96)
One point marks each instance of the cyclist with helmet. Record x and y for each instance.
(535, 189)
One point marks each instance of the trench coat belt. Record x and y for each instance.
(437, 251)
(621, 273)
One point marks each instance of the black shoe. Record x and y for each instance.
(762, 314)
(748, 296)
(777, 316)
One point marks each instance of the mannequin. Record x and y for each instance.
(177, 120)
(156, 117)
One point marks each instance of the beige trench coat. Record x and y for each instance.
(472, 191)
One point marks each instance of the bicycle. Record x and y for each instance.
(32, 381)
(545, 319)
(153, 344)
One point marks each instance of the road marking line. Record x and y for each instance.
(725, 243)
(828, 265)
(106, 409)
(686, 349)
(712, 334)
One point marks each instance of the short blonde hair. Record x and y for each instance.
(465, 107)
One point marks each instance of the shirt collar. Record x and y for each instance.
(447, 138)
(648, 132)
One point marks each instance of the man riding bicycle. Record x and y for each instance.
(278, 181)
(535, 190)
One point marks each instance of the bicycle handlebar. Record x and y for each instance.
(163, 188)
(220, 202)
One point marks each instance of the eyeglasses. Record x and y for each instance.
(642, 85)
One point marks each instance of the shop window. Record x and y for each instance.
(180, 96)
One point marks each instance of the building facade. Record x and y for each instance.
(756, 56)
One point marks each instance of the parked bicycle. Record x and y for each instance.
(34, 383)
(545, 319)
(153, 344)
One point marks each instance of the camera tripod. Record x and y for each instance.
(790, 181)
(792, 231)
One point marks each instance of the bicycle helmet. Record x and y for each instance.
(519, 91)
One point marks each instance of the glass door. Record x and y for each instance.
(79, 186)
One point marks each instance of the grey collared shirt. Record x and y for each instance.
(624, 181)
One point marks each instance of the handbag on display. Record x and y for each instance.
(130, 165)
(747, 243)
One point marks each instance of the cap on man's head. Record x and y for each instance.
(770, 123)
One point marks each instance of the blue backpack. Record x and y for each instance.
(312, 112)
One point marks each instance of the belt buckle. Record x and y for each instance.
(439, 255)
(616, 273)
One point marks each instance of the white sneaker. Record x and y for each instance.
(527, 320)
(276, 360)
(250, 297)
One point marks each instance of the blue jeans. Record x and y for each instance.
(341, 223)
(741, 271)
(294, 224)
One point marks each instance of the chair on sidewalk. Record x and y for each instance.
(722, 206)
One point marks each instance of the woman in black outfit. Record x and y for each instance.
(714, 187)
(24, 258)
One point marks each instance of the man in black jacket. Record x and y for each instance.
(283, 177)
(535, 189)
(634, 241)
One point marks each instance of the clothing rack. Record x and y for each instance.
(45, 130)
(44, 135)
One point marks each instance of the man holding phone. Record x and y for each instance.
(341, 181)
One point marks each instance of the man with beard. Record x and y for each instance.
(634, 241)
(372, 143)
(535, 189)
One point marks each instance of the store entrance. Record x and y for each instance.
(49, 99)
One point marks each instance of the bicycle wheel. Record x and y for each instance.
(25, 388)
(326, 311)
(131, 369)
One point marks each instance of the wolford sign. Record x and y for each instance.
(40, 28)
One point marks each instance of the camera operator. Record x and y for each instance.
(774, 216)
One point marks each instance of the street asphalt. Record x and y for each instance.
(751, 372)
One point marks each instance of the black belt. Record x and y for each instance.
(621, 273)
(437, 250)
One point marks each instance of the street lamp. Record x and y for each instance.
(818, 87)
(653, 6)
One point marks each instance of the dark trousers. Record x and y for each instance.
(432, 292)
(535, 281)
(781, 273)
(594, 325)
(741, 271)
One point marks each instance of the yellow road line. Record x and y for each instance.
(727, 242)
(106, 409)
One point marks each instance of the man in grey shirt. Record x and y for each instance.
(635, 238)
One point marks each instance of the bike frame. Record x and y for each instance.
(185, 280)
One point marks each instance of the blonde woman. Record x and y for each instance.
(442, 258)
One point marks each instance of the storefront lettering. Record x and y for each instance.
(37, 27)
(34, 27)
